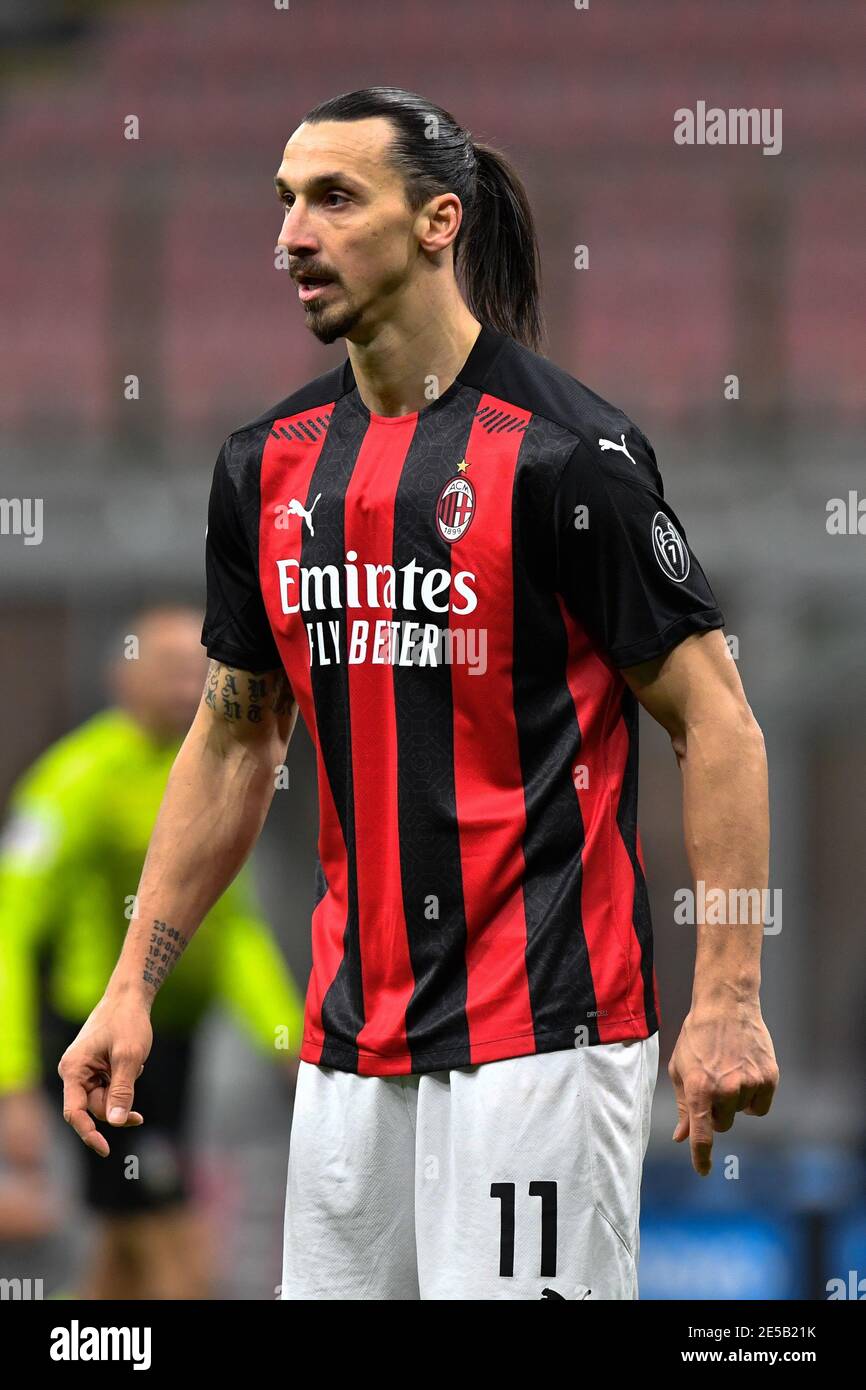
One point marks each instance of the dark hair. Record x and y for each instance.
(496, 250)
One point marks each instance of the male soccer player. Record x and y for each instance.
(458, 563)
(70, 860)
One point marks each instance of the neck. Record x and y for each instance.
(425, 340)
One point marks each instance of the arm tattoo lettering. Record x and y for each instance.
(163, 953)
(244, 696)
(231, 707)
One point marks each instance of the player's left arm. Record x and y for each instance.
(724, 1059)
(622, 562)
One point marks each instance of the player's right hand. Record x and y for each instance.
(100, 1068)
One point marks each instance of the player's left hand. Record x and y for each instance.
(723, 1062)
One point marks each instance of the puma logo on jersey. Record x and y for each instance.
(297, 508)
(620, 448)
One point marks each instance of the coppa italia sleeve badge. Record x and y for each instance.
(670, 549)
(455, 506)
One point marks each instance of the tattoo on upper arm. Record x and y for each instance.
(163, 952)
(244, 695)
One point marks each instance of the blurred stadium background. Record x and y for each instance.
(154, 257)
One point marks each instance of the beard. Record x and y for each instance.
(330, 322)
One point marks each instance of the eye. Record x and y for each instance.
(287, 199)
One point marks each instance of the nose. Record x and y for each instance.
(295, 236)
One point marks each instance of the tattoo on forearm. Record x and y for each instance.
(244, 695)
(163, 953)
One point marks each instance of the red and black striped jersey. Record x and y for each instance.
(452, 594)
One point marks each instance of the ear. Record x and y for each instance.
(438, 222)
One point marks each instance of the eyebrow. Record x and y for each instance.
(335, 177)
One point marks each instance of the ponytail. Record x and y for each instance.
(496, 257)
(498, 251)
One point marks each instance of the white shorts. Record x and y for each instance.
(511, 1179)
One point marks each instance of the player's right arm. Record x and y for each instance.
(215, 802)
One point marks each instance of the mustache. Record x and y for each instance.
(306, 273)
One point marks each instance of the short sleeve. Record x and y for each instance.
(236, 628)
(623, 564)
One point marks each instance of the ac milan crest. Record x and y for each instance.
(455, 509)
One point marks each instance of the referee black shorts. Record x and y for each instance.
(149, 1166)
